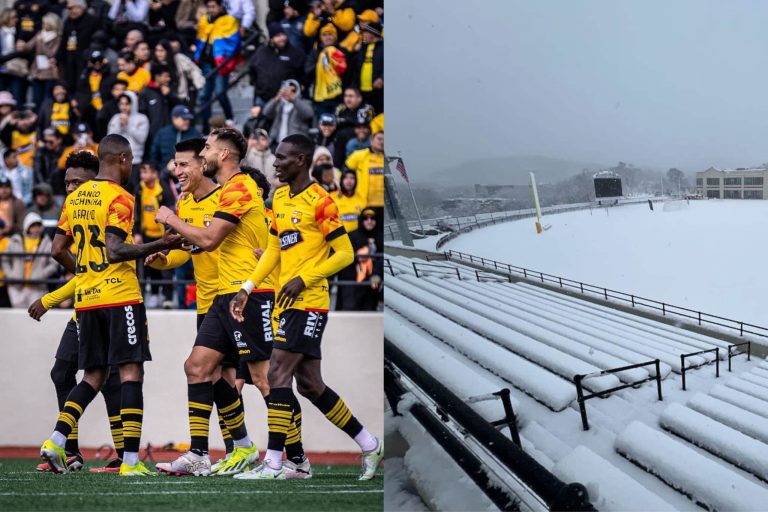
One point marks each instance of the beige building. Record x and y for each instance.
(738, 183)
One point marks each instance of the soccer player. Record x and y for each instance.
(111, 316)
(237, 227)
(305, 227)
(81, 166)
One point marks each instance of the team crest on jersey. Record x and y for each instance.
(290, 238)
(295, 217)
(206, 220)
(94, 185)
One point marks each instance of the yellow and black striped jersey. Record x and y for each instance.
(95, 208)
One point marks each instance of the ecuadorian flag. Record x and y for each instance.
(223, 34)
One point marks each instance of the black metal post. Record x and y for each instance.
(580, 398)
(658, 377)
(509, 413)
(682, 369)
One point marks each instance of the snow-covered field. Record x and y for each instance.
(707, 445)
(709, 256)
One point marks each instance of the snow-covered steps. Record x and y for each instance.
(748, 387)
(610, 489)
(531, 378)
(727, 443)
(742, 400)
(705, 481)
(749, 423)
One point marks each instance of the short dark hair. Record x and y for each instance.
(112, 145)
(259, 178)
(127, 56)
(127, 96)
(152, 166)
(8, 151)
(195, 145)
(159, 69)
(119, 81)
(303, 145)
(234, 137)
(84, 160)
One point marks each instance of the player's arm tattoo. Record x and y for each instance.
(118, 250)
(60, 252)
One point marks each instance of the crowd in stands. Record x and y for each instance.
(74, 71)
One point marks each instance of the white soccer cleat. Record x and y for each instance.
(263, 472)
(188, 464)
(371, 461)
(298, 471)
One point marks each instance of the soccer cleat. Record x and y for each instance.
(112, 467)
(74, 462)
(219, 464)
(54, 456)
(239, 460)
(187, 464)
(138, 469)
(263, 472)
(301, 471)
(371, 461)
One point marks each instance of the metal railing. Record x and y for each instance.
(716, 350)
(607, 294)
(732, 352)
(581, 398)
(553, 492)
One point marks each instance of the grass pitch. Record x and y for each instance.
(331, 488)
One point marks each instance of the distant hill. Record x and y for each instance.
(511, 170)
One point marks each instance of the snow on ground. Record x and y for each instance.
(428, 307)
(709, 256)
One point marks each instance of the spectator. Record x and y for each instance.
(329, 11)
(288, 112)
(136, 77)
(14, 70)
(162, 150)
(19, 134)
(127, 15)
(377, 123)
(132, 38)
(142, 54)
(325, 175)
(38, 265)
(47, 161)
(79, 28)
(349, 201)
(324, 67)
(11, 208)
(218, 44)
(134, 126)
(294, 17)
(368, 66)
(110, 107)
(56, 111)
(254, 122)
(354, 40)
(273, 63)
(185, 75)
(162, 18)
(260, 157)
(5, 301)
(158, 99)
(21, 177)
(7, 106)
(83, 142)
(369, 166)
(30, 14)
(46, 207)
(187, 14)
(45, 45)
(243, 11)
(367, 241)
(326, 136)
(150, 196)
(93, 86)
(348, 113)
(362, 138)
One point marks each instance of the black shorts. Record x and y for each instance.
(113, 335)
(69, 346)
(243, 373)
(301, 331)
(200, 318)
(247, 341)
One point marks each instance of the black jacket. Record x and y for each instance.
(357, 63)
(75, 40)
(47, 169)
(270, 66)
(157, 108)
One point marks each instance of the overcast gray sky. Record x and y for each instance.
(659, 83)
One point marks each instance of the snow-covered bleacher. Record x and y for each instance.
(477, 333)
